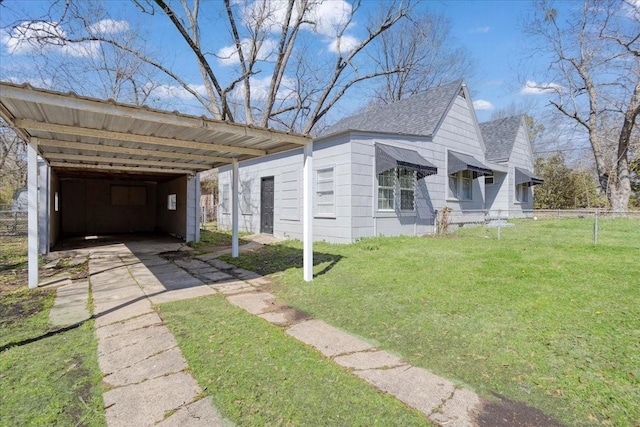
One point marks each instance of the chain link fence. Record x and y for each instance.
(588, 224)
(12, 222)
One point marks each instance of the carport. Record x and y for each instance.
(99, 166)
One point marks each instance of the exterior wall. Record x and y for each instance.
(522, 157)
(286, 169)
(87, 208)
(367, 220)
(458, 132)
(173, 222)
(497, 194)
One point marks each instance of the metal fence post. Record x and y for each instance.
(595, 229)
(499, 223)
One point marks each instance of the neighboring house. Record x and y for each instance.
(507, 142)
(386, 171)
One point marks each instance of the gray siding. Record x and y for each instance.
(522, 157)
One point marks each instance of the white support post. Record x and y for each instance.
(307, 212)
(234, 210)
(32, 186)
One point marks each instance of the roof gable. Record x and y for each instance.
(418, 115)
(499, 136)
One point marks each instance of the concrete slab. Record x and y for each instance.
(260, 281)
(120, 310)
(192, 264)
(139, 322)
(76, 261)
(131, 354)
(182, 294)
(167, 362)
(197, 414)
(369, 360)
(71, 304)
(459, 411)
(217, 263)
(328, 340)
(120, 341)
(214, 277)
(255, 302)
(416, 387)
(59, 279)
(243, 274)
(232, 288)
(147, 403)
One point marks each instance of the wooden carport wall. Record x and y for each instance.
(63, 128)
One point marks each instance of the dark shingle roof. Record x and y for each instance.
(499, 136)
(417, 115)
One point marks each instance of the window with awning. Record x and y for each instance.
(463, 162)
(525, 177)
(388, 157)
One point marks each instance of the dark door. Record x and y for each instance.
(266, 205)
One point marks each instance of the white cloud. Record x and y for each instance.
(326, 18)
(41, 82)
(228, 55)
(31, 37)
(260, 89)
(481, 29)
(109, 26)
(481, 104)
(176, 92)
(346, 43)
(533, 88)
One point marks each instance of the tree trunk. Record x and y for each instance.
(619, 193)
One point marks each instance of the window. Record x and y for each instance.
(225, 198)
(522, 193)
(461, 185)
(56, 202)
(407, 180)
(489, 180)
(386, 190)
(172, 202)
(396, 181)
(325, 195)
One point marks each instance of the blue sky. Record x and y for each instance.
(489, 30)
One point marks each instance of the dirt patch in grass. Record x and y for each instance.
(14, 307)
(507, 413)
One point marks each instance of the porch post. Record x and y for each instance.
(234, 210)
(307, 212)
(32, 191)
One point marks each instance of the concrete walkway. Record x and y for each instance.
(145, 370)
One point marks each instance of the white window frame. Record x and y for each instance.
(458, 180)
(522, 193)
(325, 200)
(396, 191)
(224, 200)
(172, 202)
(489, 179)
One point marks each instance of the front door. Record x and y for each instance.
(266, 205)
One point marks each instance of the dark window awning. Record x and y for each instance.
(388, 157)
(460, 162)
(523, 176)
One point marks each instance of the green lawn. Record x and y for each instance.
(46, 377)
(541, 316)
(257, 375)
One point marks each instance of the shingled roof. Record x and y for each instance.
(417, 115)
(499, 137)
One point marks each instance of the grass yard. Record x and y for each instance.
(257, 375)
(541, 316)
(47, 377)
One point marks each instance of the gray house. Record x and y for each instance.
(386, 171)
(510, 192)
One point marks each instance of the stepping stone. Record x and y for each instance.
(416, 387)
(328, 340)
(119, 328)
(460, 410)
(220, 264)
(192, 264)
(214, 276)
(255, 302)
(167, 362)
(181, 294)
(285, 316)
(196, 414)
(369, 360)
(231, 288)
(243, 274)
(59, 279)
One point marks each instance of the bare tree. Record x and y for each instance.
(424, 54)
(594, 77)
(13, 163)
(277, 81)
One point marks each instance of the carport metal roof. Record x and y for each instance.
(80, 133)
